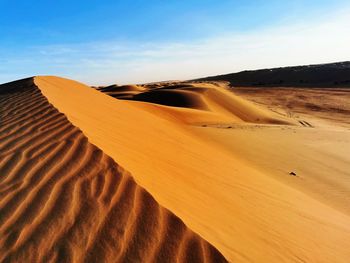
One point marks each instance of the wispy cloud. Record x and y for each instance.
(325, 39)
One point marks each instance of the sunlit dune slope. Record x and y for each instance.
(318, 150)
(249, 215)
(62, 199)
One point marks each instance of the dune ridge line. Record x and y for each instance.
(244, 211)
(65, 200)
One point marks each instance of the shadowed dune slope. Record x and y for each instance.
(121, 92)
(64, 200)
(244, 211)
(177, 98)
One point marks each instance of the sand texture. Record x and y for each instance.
(62, 199)
(258, 183)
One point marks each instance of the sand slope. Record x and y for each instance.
(248, 214)
(64, 200)
(318, 150)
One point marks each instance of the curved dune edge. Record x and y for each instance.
(196, 103)
(246, 214)
(65, 200)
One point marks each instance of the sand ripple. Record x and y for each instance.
(63, 200)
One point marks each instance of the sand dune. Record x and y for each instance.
(65, 200)
(197, 102)
(205, 174)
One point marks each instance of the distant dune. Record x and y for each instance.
(322, 75)
(98, 174)
(212, 102)
(64, 200)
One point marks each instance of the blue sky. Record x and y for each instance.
(100, 42)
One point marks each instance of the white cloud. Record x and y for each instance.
(326, 39)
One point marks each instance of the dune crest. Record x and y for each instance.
(65, 200)
(249, 215)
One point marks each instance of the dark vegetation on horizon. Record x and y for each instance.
(321, 75)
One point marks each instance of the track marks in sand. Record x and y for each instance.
(64, 200)
(306, 124)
